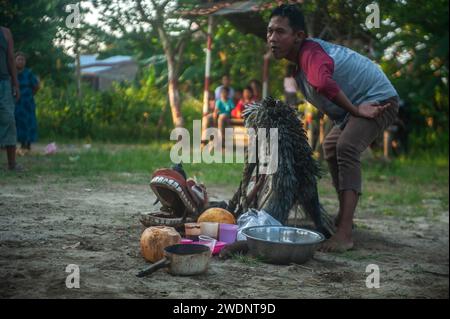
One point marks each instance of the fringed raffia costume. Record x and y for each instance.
(294, 182)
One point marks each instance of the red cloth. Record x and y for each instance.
(318, 68)
(237, 111)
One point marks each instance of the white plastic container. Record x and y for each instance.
(210, 229)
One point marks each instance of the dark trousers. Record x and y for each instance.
(343, 147)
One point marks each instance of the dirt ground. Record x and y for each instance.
(40, 221)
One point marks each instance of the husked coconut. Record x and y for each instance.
(155, 239)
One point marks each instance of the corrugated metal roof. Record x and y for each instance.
(95, 69)
(91, 59)
(116, 59)
(87, 59)
(229, 7)
(238, 7)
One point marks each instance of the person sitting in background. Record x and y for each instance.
(224, 105)
(256, 89)
(25, 112)
(237, 96)
(226, 82)
(247, 97)
(221, 115)
(211, 102)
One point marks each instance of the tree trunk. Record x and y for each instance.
(174, 94)
(172, 77)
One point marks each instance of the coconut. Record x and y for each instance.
(155, 239)
(217, 215)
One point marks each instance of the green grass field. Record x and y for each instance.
(403, 186)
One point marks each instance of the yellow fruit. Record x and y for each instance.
(155, 239)
(217, 215)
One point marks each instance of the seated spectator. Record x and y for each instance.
(237, 96)
(247, 97)
(221, 115)
(256, 89)
(226, 82)
(224, 105)
(211, 102)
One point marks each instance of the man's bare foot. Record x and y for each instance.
(337, 243)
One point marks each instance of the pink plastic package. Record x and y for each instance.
(217, 247)
(51, 148)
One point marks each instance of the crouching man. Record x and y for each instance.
(348, 87)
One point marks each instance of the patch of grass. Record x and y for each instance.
(403, 187)
(131, 163)
(247, 260)
(361, 226)
(416, 269)
(357, 256)
(424, 169)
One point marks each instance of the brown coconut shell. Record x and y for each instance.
(155, 239)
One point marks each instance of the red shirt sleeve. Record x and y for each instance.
(318, 67)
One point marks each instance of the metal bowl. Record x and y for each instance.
(282, 245)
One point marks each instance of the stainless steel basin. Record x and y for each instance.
(282, 245)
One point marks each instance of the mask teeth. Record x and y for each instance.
(186, 200)
(176, 185)
(156, 179)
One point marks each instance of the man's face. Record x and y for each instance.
(226, 81)
(224, 95)
(20, 62)
(282, 39)
(247, 94)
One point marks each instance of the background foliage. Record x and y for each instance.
(411, 46)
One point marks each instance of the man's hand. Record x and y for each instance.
(371, 110)
(16, 91)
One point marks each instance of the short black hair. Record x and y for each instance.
(224, 89)
(293, 13)
(256, 82)
(20, 53)
(248, 88)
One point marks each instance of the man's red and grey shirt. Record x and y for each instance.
(325, 68)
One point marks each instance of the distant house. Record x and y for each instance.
(102, 73)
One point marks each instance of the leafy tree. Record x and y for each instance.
(35, 25)
(173, 32)
(415, 40)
